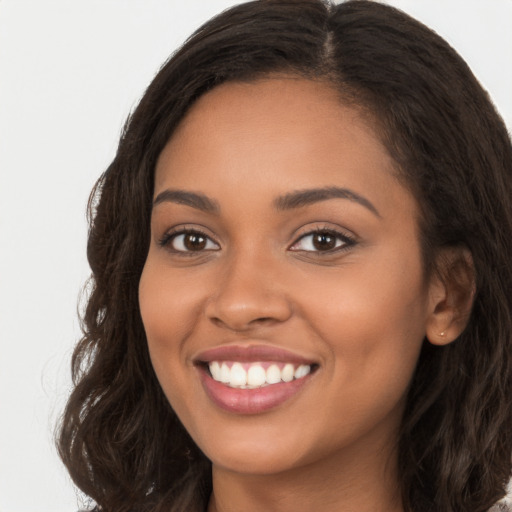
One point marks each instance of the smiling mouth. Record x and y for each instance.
(243, 375)
(253, 379)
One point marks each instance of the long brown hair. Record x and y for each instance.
(119, 437)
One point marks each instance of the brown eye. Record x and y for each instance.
(322, 241)
(194, 241)
(189, 241)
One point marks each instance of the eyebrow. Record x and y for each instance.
(301, 198)
(290, 201)
(192, 199)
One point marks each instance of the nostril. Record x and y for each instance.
(241, 325)
(264, 319)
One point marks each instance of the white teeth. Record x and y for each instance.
(256, 375)
(215, 370)
(287, 372)
(273, 374)
(225, 373)
(302, 371)
(238, 375)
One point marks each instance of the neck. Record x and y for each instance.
(340, 483)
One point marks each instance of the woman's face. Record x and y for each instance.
(284, 261)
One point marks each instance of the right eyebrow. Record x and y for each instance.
(192, 199)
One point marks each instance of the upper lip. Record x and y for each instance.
(250, 354)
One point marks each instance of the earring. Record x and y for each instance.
(442, 334)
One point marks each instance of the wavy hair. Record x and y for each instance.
(119, 437)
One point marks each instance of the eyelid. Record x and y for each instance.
(172, 234)
(346, 239)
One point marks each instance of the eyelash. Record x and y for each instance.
(171, 236)
(346, 240)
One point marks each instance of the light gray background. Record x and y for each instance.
(70, 72)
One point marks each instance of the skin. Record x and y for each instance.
(361, 312)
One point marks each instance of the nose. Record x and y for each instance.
(248, 295)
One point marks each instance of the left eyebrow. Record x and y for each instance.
(301, 198)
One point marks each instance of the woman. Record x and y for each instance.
(302, 289)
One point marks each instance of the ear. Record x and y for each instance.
(451, 295)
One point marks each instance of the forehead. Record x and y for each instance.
(274, 135)
(273, 110)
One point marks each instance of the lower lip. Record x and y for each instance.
(250, 401)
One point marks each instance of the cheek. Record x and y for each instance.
(168, 307)
(373, 322)
(167, 324)
(168, 318)
(385, 292)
